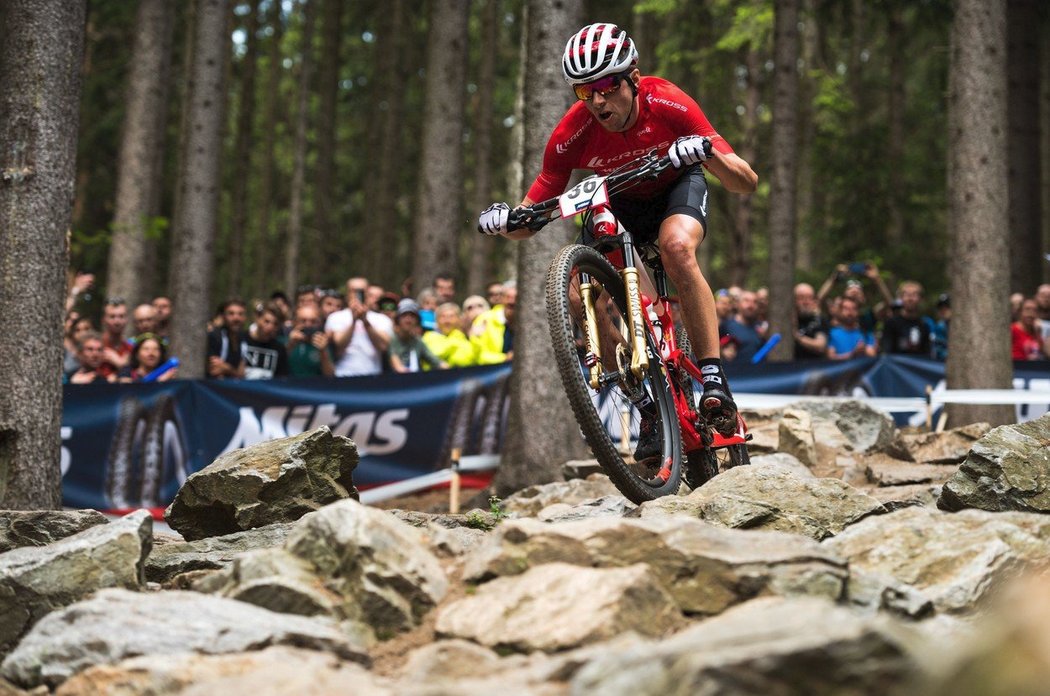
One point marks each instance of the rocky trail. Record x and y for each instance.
(849, 558)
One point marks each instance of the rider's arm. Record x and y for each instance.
(734, 173)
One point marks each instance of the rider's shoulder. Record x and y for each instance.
(664, 94)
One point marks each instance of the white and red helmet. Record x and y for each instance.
(597, 50)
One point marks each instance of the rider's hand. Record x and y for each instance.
(494, 219)
(688, 150)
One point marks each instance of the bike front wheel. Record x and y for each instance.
(622, 401)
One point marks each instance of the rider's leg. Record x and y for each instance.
(680, 235)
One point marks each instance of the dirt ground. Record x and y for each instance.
(436, 500)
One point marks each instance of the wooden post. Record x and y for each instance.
(453, 489)
(929, 409)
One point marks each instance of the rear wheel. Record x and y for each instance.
(703, 465)
(622, 400)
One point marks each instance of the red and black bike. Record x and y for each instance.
(619, 353)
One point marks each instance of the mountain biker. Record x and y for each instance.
(619, 116)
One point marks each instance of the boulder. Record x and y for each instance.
(35, 580)
(896, 497)
(529, 501)
(557, 606)
(276, 481)
(783, 460)
(606, 506)
(347, 560)
(275, 671)
(176, 557)
(705, 568)
(948, 447)
(766, 646)
(41, 527)
(886, 471)
(580, 468)
(795, 437)
(954, 560)
(771, 497)
(117, 624)
(852, 425)
(1007, 469)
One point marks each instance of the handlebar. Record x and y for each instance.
(536, 216)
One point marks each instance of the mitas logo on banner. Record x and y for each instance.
(374, 432)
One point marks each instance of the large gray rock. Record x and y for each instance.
(347, 560)
(176, 557)
(772, 497)
(1007, 469)
(886, 471)
(795, 437)
(117, 624)
(41, 527)
(705, 568)
(529, 501)
(276, 481)
(35, 580)
(948, 447)
(954, 560)
(275, 671)
(606, 506)
(557, 606)
(767, 646)
(854, 426)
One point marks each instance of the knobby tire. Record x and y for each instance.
(636, 484)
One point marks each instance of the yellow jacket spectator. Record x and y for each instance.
(493, 331)
(448, 342)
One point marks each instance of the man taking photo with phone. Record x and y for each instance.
(361, 336)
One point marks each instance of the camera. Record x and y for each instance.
(360, 295)
(309, 332)
(858, 268)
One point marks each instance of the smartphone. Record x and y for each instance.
(360, 295)
(858, 268)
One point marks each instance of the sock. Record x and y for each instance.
(711, 373)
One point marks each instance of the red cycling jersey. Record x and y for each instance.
(665, 113)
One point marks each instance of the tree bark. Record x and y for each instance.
(40, 61)
(440, 205)
(295, 212)
(480, 271)
(242, 153)
(979, 341)
(897, 38)
(782, 210)
(262, 235)
(742, 206)
(388, 113)
(325, 225)
(542, 433)
(1024, 180)
(196, 219)
(140, 165)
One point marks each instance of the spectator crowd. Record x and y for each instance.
(322, 332)
(370, 330)
(837, 321)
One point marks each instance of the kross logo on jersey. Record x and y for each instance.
(666, 102)
(562, 148)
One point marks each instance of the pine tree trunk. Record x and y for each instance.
(319, 260)
(140, 166)
(807, 175)
(979, 340)
(388, 113)
(740, 240)
(542, 434)
(196, 219)
(295, 212)
(480, 269)
(40, 61)
(1024, 180)
(262, 236)
(242, 153)
(440, 205)
(782, 210)
(897, 38)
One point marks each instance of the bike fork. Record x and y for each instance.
(635, 323)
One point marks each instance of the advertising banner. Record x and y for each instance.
(131, 445)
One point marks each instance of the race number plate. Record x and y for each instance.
(589, 193)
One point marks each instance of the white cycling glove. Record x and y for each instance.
(688, 150)
(493, 220)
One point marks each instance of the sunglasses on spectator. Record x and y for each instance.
(604, 86)
(115, 301)
(387, 306)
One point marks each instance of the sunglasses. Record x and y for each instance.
(387, 306)
(604, 87)
(115, 301)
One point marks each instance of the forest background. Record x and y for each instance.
(324, 137)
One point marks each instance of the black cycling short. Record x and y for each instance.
(687, 196)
